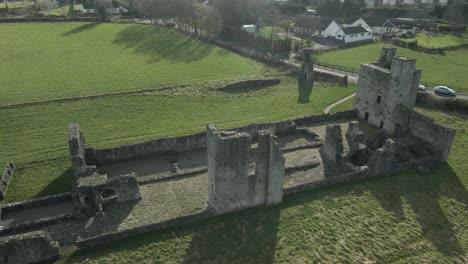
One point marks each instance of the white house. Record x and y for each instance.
(377, 25)
(331, 29)
(353, 34)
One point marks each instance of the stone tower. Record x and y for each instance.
(306, 76)
(387, 91)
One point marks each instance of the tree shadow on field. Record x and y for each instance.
(80, 29)
(163, 44)
(423, 193)
(250, 233)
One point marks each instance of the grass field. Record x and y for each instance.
(13, 5)
(77, 59)
(36, 136)
(406, 218)
(438, 42)
(445, 70)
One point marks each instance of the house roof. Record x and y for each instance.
(375, 21)
(325, 21)
(354, 30)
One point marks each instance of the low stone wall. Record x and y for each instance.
(5, 179)
(38, 223)
(434, 134)
(145, 149)
(251, 84)
(31, 247)
(315, 119)
(42, 201)
(363, 173)
(91, 242)
(176, 144)
(431, 100)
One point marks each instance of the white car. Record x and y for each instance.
(422, 88)
(444, 91)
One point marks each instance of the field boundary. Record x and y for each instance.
(77, 98)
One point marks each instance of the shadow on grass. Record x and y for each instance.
(423, 193)
(58, 185)
(80, 29)
(251, 234)
(163, 44)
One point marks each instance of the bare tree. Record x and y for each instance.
(307, 25)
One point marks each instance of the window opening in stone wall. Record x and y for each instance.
(366, 116)
(379, 98)
(381, 124)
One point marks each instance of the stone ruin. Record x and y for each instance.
(92, 190)
(28, 248)
(242, 174)
(5, 179)
(255, 165)
(306, 76)
(387, 91)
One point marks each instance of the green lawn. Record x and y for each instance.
(405, 218)
(55, 60)
(36, 136)
(449, 69)
(12, 5)
(437, 42)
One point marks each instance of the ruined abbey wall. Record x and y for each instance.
(426, 129)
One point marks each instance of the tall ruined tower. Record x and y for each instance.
(306, 76)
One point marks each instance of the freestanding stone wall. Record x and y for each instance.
(426, 129)
(27, 248)
(240, 176)
(306, 76)
(77, 152)
(5, 179)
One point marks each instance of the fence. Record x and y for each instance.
(255, 41)
(342, 69)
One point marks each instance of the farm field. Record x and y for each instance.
(444, 70)
(405, 218)
(438, 41)
(36, 136)
(80, 59)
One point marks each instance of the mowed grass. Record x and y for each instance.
(407, 218)
(40, 61)
(35, 137)
(449, 69)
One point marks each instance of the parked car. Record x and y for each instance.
(444, 91)
(422, 88)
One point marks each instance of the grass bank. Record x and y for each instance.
(78, 59)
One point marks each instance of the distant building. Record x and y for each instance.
(353, 34)
(347, 33)
(249, 28)
(378, 25)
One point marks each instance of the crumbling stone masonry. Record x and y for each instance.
(383, 160)
(96, 190)
(332, 148)
(306, 76)
(5, 179)
(77, 153)
(356, 138)
(387, 91)
(27, 248)
(241, 175)
(91, 190)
